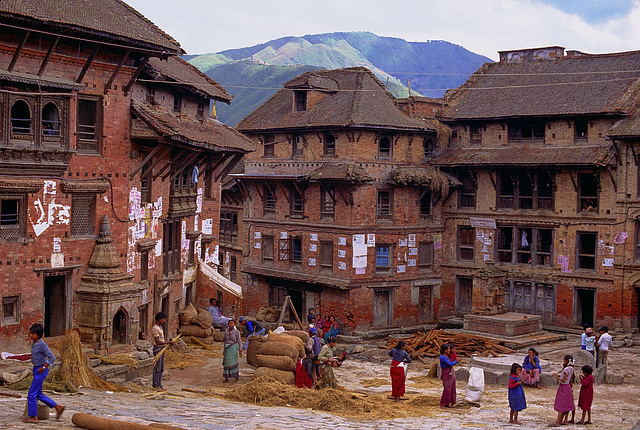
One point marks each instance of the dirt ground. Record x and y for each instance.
(367, 374)
(614, 405)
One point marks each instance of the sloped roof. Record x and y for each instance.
(339, 172)
(110, 18)
(355, 97)
(627, 127)
(526, 155)
(209, 134)
(175, 69)
(574, 85)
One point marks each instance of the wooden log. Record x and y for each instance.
(91, 422)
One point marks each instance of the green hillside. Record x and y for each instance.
(254, 73)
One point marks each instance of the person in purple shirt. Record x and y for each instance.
(41, 358)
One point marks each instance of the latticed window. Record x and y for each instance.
(269, 199)
(327, 202)
(326, 255)
(296, 250)
(329, 144)
(384, 206)
(172, 232)
(466, 243)
(297, 203)
(83, 214)
(10, 310)
(12, 217)
(425, 256)
(89, 124)
(267, 250)
(383, 258)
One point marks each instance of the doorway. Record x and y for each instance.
(382, 308)
(426, 307)
(55, 305)
(464, 294)
(119, 327)
(585, 301)
(164, 306)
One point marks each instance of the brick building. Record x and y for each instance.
(340, 211)
(80, 139)
(549, 191)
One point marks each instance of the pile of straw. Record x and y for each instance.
(75, 368)
(181, 360)
(118, 358)
(376, 382)
(54, 382)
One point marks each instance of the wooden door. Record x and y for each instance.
(55, 305)
(381, 308)
(426, 307)
(464, 294)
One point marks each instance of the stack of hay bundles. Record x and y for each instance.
(196, 324)
(277, 356)
(268, 314)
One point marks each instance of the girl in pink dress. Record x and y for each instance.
(586, 393)
(564, 397)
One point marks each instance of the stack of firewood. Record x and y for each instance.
(422, 344)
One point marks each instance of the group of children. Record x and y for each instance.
(326, 327)
(564, 402)
(597, 343)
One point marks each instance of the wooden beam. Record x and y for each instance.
(613, 179)
(575, 186)
(282, 309)
(47, 57)
(615, 149)
(633, 152)
(87, 63)
(221, 159)
(107, 86)
(346, 202)
(229, 166)
(258, 189)
(173, 160)
(493, 180)
(153, 152)
(135, 75)
(17, 52)
(295, 313)
(243, 189)
(284, 192)
(177, 168)
(300, 192)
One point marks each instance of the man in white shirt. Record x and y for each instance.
(604, 343)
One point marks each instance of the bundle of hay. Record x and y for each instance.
(203, 319)
(288, 338)
(279, 375)
(280, 362)
(255, 342)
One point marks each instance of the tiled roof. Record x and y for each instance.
(111, 18)
(209, 134)
(627, 127)
(354, 97)
(527, 156)
(580, 85)
(175, 69)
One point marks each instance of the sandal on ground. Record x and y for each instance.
(59, 413)
(33, 420)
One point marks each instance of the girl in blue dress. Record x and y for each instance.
(517, 402)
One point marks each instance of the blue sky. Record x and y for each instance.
(482, 26)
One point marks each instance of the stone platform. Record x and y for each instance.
(508, 324)
(503, 363)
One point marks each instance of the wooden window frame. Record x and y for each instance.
(468, 190)
(13, 302)
(327, 203)
(585, 202)
(268, 146)
(384, 210)
(475, 133)
(581, 256)
(76, 228)
(171, 246)
(466, 247)
(386, 154)
(425, 256)
(296, 203)
(18, 228)
(92, 142)
(326, 255)
(269, 199)
(267, 247)
(299, 101)
(384, 269)
(329, 148)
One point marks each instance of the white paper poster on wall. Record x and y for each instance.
(207, 226)
(313, 237)
(313, 247)
(402, 242)
(413, 251)
(411, 262)
(342, 241)
(402, 268)
(257, 235)
(412, 240)
(284, 235)
(342, 265)
(358, 239)
(359, 251)
(257, 245)
(371, 240)
(312, 261)
(199, 201)
(342, 253)
(360, 270)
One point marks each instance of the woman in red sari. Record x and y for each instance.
(448, 359)
(398, 370)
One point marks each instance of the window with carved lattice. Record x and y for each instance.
(83, 214)
(12, 217)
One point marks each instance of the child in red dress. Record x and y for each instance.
(586, 394)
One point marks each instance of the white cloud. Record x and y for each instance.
(482, 27)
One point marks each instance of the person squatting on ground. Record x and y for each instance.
(399, 356)
(326, 360)
(253, 327)
(306, 371)
(531, 369)
(517, 401)
(586, 394)
(448, 359)
(157, 334)
(41, 359)
(564, 396)
(232, 348)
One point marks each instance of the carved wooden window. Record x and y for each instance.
(581, 129)
(51, 123)
(588, 185)
(146, 181)
(527, 131)
(177, 103)
(475, 133)
(300, 101)
(385, 147)
(327, 202)
(425, 256)
(468, 190)
(586, 250)
(172, 233)
(326, 256)
(428, 147)
(269, 145)
(21, 118)
(296, 202)
(329, 144)
(466, 243)
(144, 265)
(525, 245)
(12, 217)
(267, 250)
(89, 124)
(233, 269)
(297, 145)
(83, 214)
(528, 190)
(269, 199)
(383, 258)
(296, 250)
(425, 202)
(384, 207)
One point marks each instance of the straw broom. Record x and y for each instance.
(164, 348)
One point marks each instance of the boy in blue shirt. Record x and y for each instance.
(41, 358)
